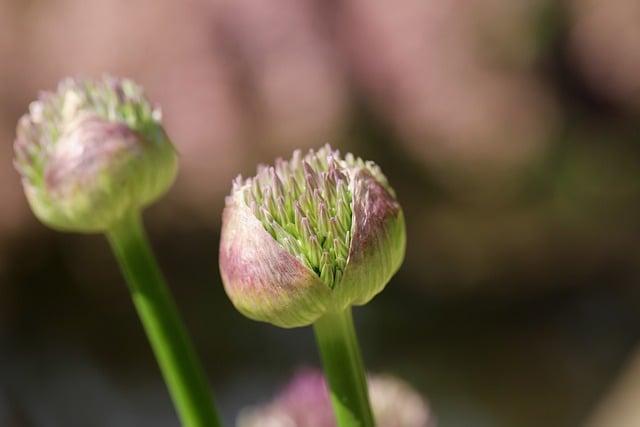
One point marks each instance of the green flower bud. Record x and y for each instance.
(311, 234)
(91, 152)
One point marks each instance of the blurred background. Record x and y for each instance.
(509, 129)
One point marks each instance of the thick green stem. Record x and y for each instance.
(174, 351)
(343, 368)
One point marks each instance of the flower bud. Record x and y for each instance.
(304, 402)
(91, 152)
(308, 235)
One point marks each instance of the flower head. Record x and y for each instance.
(314, 233)
(90, 152)
(304, 402)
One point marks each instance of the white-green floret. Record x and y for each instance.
(305, 203)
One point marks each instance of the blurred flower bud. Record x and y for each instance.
(91, 152)
(311, 234)
(305, 403)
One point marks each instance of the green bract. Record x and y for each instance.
(92, 151)
(315, 233)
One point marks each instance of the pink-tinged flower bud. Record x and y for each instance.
(304, 402)
(308, 235)
(91, 152)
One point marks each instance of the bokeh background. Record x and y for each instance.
(510, 130)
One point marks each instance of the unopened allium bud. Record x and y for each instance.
(315, 233)
(91, 152)
(305, 403)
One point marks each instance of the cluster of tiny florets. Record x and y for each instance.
(305, 203)
(110, 99)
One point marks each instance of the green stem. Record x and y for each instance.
(336, 338)
(174, 351)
